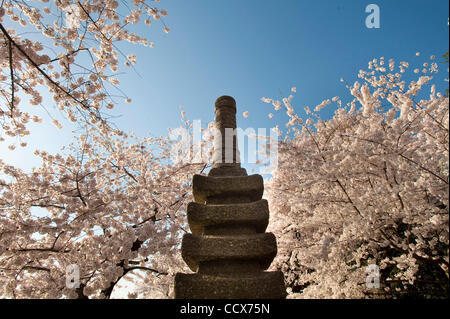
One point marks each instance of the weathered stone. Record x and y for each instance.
(228, 247)
(227, 189)
(208, 219)
(229, 267)
(261, 248)
(262, 285)
(225, 112)
(227, 171)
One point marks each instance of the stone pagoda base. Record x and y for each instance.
(228, 247)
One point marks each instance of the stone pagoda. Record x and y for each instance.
(228, 249)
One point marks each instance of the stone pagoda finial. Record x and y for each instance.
(228, 249)
(226, 159)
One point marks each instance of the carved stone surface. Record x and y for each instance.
(206, 219)
(228, 248)
(225, 118)
(227, 189)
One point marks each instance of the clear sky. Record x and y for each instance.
(250, 49)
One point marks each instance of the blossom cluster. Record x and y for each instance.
(74, 56)
(368, 186)
(112, 204)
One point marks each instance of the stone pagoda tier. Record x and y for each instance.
(228, 249)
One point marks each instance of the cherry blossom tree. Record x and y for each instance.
(69, 48)
(368, 186)
(112, 205)
(106, 205)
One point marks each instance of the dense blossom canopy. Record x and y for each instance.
(74, 56)
(108, 205)
(369, 186)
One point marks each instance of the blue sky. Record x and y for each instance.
(250, 49)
